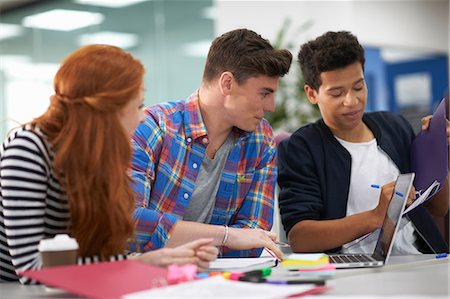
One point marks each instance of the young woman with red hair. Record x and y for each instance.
(66, 171)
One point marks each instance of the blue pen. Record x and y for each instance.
(378, 187)
(441, 255)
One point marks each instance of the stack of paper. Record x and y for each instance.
(327, 271)
(219, 287)
(313, 261)
(241, 264)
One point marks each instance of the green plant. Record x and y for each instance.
(292, 108)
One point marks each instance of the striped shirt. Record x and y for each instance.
(169, 148)
(33, 205)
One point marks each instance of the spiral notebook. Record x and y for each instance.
(106, 280)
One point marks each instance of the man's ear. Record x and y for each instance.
(226, 83)
(311, 93)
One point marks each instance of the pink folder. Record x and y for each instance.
(102, 280)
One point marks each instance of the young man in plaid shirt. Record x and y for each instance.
(206, 166)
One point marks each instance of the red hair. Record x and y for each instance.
(92, 149)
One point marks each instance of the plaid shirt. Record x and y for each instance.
(169, 148)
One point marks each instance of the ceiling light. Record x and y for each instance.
(63, 20)
(209, 12)
(118, 39)
(110, 3)
(10, 30)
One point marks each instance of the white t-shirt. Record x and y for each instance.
(370, 165)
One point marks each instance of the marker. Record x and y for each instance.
(252, 279)
(441, 255)
(294, 281)
(252, 276)
(202, 275)
(236, 276)
(261, 273)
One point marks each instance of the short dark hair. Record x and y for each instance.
(245, 54)
(328, 52)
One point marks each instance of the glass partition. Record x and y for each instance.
(171, 38)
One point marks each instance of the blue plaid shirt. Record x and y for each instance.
(169, 148)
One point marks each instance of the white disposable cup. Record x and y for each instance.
(58, 251)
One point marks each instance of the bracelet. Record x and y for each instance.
(225, 237)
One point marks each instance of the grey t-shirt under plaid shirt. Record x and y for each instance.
(204, 196)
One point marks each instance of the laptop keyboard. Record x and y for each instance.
(350, 258)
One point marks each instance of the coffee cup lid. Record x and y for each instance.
(59, 242)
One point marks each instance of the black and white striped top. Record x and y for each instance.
(33, 205)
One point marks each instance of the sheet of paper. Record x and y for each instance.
(219, 287)
(241, 264)
(423, 197)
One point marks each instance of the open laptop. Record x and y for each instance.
(387, 234)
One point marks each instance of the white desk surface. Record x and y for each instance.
(420, 276)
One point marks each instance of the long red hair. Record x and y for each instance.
(92, 149)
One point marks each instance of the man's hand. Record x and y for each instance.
(426, 124)
(247, 238)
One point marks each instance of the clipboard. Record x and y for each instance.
(429, 153)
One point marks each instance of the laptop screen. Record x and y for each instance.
(393, 216)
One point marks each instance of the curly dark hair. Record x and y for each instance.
(328, 52)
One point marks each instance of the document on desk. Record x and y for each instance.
(219, 287)
(424, 196)
(241, 264)
(429, 156)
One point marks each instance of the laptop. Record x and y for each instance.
(387, 234)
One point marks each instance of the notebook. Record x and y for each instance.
(429, 156)
(387, 234)
(241, 264)
(219, 287)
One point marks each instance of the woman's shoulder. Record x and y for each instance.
(27, 138)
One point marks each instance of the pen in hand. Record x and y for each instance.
(282, 244)
(378, 187)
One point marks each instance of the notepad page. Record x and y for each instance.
(219, 287)
(241, 264)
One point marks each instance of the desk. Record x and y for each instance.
(424, 277)
(404, 276)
